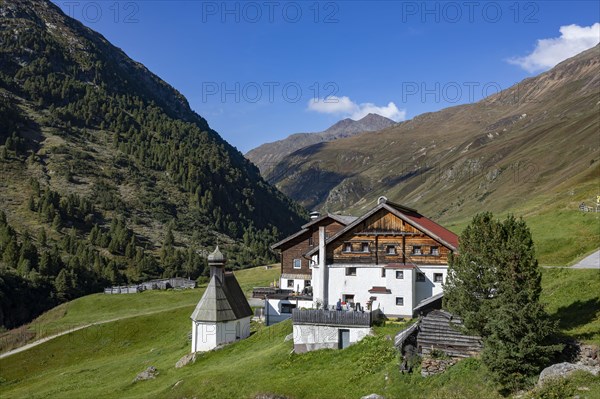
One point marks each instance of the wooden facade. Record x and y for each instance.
(295, 249)
(384, 238)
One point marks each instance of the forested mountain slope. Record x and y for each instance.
(108, 176)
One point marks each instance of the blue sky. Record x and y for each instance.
(259, 71)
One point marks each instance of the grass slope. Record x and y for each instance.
(99, 308)
(101, 361)
(572, 297)
(562, 235)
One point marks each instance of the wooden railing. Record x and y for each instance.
(331, 317)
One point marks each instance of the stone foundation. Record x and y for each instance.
(430, 366)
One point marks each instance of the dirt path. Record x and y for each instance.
(70, 330)
(591, 261)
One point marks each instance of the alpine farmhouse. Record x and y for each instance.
(390, 261)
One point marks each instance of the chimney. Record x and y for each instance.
(314, 215)
(324, 273)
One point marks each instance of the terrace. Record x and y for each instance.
(334, 317)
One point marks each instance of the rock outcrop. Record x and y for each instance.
(561, 370)
(149, 374)
(269, 396)
(373, 396)
(187, 359)
(589, 355)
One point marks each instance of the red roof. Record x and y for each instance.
(433, 227)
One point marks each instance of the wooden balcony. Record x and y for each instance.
(332, 317)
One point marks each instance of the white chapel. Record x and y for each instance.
(223, 313)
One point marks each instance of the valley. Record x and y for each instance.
(319, 260)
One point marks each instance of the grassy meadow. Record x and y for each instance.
(102, 360)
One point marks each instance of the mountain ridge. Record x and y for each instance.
(464, 153)
(268, 155)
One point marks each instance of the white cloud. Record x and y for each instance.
(332, 105)
(548, 52)
(345, 106)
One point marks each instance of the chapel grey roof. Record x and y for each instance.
(222, 301)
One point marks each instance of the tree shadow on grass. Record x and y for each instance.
(577, 314)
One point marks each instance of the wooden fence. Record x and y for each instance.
(159, 284)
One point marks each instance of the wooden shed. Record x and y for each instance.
(440, 330)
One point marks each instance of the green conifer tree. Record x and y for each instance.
(494, 284)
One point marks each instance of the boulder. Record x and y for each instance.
(373, 396)
(187, 359)
(561, 370)
(269, 396)
(149, 374)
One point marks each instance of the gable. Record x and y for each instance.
(383, 223)
(332, 226)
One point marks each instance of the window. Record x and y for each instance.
(390, 250)
(297, 263)
(399, 301)
(347, 247)
(438, 277)
(351, 271)
(290, 283)
(307, 283)
(400, 274)
(434, 251)
(287, 307)
(420, 276)
(382, 272)
(348, 298)
(416, 250)
(365, 247)
(310, 241)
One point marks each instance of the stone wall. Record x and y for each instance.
(431, 366)
(589, 355)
